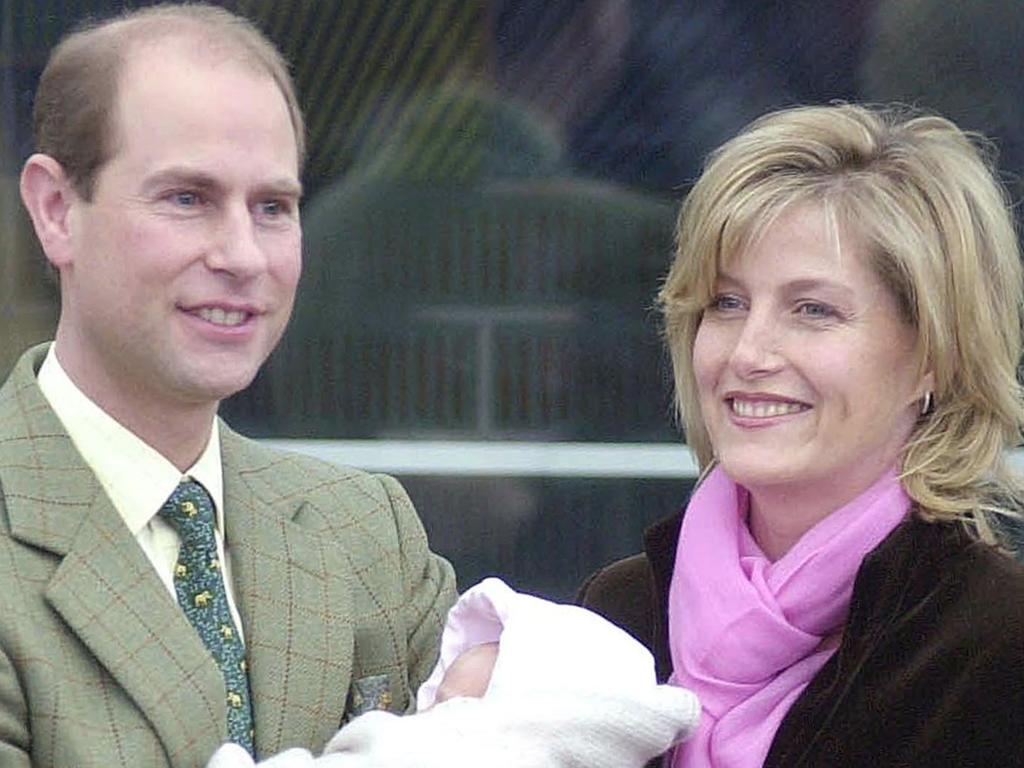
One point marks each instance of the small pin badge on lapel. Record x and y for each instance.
(369, 693)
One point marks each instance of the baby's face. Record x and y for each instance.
(470, 674)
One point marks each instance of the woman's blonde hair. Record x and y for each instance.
(923, 196)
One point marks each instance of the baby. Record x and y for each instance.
(521, 682)
(543, 646)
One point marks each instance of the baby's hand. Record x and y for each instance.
(470, 673)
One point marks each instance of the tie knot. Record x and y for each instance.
(190, 511)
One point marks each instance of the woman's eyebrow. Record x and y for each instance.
(725, 277)
(819, 284)
(798, 285)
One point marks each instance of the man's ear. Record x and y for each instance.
(48, 195)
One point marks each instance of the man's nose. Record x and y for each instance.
(236, 248)
(757, 348)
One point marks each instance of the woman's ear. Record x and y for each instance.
(48, 196)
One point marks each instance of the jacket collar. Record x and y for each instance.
(104, 587)
(291, 586)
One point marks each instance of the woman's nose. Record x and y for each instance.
(756, 351)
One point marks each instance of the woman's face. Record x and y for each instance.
(806, 373)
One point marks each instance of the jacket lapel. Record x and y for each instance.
(294, 599)
(110, 597)
(105, 588)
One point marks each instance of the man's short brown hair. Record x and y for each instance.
(77, 92)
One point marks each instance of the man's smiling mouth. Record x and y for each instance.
(219, 316)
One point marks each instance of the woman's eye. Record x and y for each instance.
(725, 302)
(814, 309)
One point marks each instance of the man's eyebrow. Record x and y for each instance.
(183, 175)
(285, 186)
(193, 177)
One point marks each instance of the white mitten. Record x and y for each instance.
(233, 756)
(536, 729)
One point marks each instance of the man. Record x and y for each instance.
(165, 584)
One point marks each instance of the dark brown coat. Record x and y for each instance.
(930, 670)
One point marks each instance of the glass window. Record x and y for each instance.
(491, 192)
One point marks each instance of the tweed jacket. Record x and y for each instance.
(341, 602)
(930, 668)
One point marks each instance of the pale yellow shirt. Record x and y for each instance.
(137, 479)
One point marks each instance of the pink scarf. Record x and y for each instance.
(745, 632)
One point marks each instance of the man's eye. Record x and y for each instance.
(274, 208)
(185, 199)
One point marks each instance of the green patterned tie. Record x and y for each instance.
(201, 594)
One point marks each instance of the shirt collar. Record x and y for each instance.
(136, 477)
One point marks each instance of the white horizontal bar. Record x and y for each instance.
(513, 459)
(506, 458)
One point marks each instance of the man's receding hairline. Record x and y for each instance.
(184, 32)
(173, 32)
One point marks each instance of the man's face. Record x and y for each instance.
(185, 262)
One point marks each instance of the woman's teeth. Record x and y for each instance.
(763, 409)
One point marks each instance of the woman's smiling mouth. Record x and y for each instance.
(764, 409)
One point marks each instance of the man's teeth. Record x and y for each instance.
(763, 409)
(218, 316)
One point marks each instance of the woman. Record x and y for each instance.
(844, 316)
